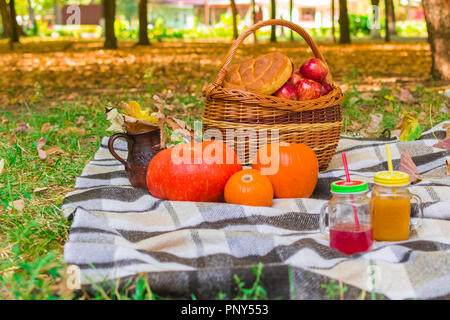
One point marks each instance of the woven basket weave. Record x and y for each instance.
(316, 123)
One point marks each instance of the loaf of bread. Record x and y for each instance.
(263, 74)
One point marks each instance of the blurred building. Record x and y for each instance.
(184, 13)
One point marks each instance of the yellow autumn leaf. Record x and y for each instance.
(134, 110)
(410, 127)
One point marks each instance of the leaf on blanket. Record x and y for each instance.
(407, 165)
(443, 144)
(120, 122)
(447, 170)
(115, 119)
(134, 110)
(411, 129)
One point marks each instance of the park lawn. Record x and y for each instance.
(59, 90)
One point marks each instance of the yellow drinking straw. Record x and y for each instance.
(388, 153)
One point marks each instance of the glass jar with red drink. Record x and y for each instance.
(348, 222)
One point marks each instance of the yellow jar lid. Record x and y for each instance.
(394, 178)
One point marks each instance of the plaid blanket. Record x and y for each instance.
(189, 248)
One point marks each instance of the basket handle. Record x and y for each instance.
(220, 77)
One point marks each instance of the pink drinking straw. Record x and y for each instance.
(347, 179)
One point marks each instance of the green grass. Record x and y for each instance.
(32, 239)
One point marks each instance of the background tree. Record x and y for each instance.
(255, 39)
(273, 15)
(14, 36)
(143, 23)
(6, 19)
(343, 23)
(109, 14)
(291, 8)
(391, 17)
(375, 30)
(32, 17)
(333, 29)
(387, 34)
(234, 14)
(437, 13)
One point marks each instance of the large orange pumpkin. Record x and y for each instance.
(248, 187)
(293, 168)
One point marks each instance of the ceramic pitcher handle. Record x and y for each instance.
(322, 221)
(111, 147)
(415, 225)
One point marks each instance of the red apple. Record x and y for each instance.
(295, 78)
(287, 91)
(314, 69)
(326, 88)
(196, 171)
(308, 89)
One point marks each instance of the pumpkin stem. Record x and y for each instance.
(247, 178)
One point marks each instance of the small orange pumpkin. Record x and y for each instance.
(294, 168)
(248, 187)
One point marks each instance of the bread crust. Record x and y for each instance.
(264, 74)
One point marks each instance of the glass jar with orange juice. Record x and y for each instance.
(390, 207)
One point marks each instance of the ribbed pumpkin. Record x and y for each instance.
(248, 187)
(298, 168)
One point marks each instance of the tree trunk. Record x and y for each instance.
(143, 22)
(109, 14)
(255, 39)
(291, 8)
(32, 18)
(6, 19)
(387, 34)
(375, 30)
(391, 18)
(273, 34)
(15, 27)
(438, 26)
(343, 23)
(234, 14)
(333, 29)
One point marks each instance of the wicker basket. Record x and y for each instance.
(316, 123)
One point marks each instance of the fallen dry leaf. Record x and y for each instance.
(366, 95)
(45, 127)
(374, 124)
(53, 150)
(17, 205)
(37, 190)
(405, 96)
(2, 166)
(73, 130)
(407, 165)
(389, 108)
(80, 120)
(21, 128)
(180, 127)
(42, 141)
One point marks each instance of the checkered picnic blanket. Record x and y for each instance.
(189, 248)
